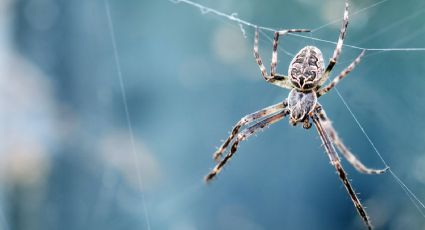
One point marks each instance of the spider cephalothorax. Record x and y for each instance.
(305, 79)
(306, 68)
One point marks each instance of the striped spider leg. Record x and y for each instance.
(351, 158)
(243, 135)
(334, 59)
(335, 161)
(343, 74)
(274, 78)
(338, 47)
(246, 120)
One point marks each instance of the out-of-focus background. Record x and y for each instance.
(67, 156)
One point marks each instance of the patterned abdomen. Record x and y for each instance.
(306, 68)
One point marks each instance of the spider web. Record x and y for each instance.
(233, 17)
(135, 155)
(242, 24)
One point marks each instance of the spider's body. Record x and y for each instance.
(305, 82)
(305, 72)
(300, 104)
(306, 68)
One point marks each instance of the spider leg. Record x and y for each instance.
(338, 47)
(248, 119)
(351, 158)
(273, 78)
(343, 74)
(333, 156)
(275, 45)
(243, 136)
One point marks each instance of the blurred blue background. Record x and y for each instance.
(67, 160)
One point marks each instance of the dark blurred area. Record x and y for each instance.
(69, 160)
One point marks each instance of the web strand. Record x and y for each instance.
(205, 10)
(127, 113)
(418, 204)
(233, 17)
(339, 19)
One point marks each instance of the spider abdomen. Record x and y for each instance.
(306, 68)
(300, 104)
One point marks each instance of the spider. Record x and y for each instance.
(306, 79)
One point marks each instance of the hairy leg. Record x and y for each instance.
(333, 156)
(276, 79)
(246, 120)
(351, 158)
(338, 47)
(243, 136)
(344, 73)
